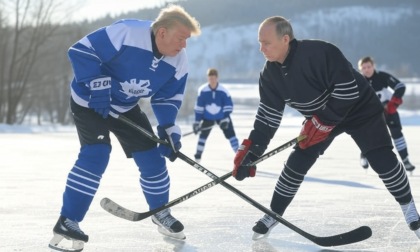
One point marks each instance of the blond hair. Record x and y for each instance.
(175, 14)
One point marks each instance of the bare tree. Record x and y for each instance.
(29, 26)
(4, 34)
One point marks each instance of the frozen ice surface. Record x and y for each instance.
(336, 196)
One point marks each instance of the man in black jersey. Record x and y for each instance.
(316, 79)
(382, 82)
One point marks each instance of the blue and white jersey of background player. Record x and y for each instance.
(126, 52)
(213, 104)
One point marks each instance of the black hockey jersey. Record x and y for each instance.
(315, 79)
(381, 82)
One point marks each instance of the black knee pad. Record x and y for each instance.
(382, 159)
(302, 160)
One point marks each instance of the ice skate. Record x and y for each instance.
(74, 236)
(415, 226)
(168, 225)
(412, 217)
(364, 162)
(263, 227)
(409, 167)
(197, 158)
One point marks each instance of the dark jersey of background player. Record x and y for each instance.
(383, 82)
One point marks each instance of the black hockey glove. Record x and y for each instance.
(196, 127)
(172, 134)
(224, 123)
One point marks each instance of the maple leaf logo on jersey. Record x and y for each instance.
(134, 89)
(213, 108)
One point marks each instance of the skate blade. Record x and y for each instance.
(177, 236)
(417, 232)
(64, 244)
(257, 236)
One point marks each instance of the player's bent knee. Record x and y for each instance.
(94, 157)
(150, 162)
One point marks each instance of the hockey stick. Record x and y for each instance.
(122, 212)
(200, 129)
(356, 235)
(277, 150)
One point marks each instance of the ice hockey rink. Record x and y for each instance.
(336, 196)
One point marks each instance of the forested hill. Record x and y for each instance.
(388, 30)
(35, 71)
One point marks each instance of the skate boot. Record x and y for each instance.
(364, 162)
(263, 227)
(412, 217)
(415, 226)
(197, 158)
(408, 166)
(168, 225)
(66, 228)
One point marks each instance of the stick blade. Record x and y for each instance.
(113, 208)
(353, 236)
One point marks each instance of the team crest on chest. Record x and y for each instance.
(135, 89)
(213, 108)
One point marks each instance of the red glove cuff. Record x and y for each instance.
(396, 100)
(315, 132)
(391, 107)
(318, 124)
(252, 171)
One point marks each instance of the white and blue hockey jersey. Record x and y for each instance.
(212, 104)
(126, 52)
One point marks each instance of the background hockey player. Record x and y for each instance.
(113, 68)
(316, 79)
(213, 106)
(382, 82)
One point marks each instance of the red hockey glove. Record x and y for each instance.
(315, 132)
(242, 159)
(392, 105)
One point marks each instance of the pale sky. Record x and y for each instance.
(93, 9)
(79, 10)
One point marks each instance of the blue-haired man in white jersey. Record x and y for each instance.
(114, 67)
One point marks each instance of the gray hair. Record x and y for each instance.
(283, 26)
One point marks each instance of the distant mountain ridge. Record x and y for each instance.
(385, 29)
(356, 30)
